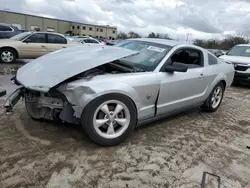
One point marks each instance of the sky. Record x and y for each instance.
(202, 19)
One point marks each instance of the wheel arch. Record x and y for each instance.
(12, 48)
(113, 93)
(219, 78)
(224, 83)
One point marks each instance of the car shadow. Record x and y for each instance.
(243, 85)
(55, 133)
(59, 134)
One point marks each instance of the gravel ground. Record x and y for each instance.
(173, 152)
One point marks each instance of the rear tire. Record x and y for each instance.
(215, 98)
(7, 55)
(109, 119)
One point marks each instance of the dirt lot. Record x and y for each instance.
(170, 153)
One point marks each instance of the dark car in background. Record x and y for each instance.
(8, 31)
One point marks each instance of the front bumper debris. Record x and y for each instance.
(2, 93)
(13, 99)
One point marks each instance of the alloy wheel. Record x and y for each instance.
(111, 119)
(7, 56)
(216, 97)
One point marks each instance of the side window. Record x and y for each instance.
(212, 60)
(191, 57)
(4, 28)
(90, 41)
(37, 38)
(55, 39)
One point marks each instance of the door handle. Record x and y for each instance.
(64, 47)
(43, 46)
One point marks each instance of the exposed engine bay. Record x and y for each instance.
(110, 68)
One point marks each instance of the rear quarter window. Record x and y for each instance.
(212, 60)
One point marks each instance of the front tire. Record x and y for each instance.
(7, 55)
(109, 119)
(215, 98)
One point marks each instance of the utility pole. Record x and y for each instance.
(188, 36)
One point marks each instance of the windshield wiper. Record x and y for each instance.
(134, 68)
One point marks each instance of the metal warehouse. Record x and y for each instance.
(32, 22)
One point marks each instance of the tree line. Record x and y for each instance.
(224, 44)
(132, 34)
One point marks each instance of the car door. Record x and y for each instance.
(180, 90)
(56, 42)
(34, 46)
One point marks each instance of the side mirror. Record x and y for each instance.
(176, 67)
(27, 40)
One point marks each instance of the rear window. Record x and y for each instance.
(212, 60)
(55, 39)
(4, 28)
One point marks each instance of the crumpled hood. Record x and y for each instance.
(47, 71)
(236, 59)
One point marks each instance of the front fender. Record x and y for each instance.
(81, 96)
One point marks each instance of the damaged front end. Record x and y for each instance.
(13, 99)
(64, 101)
(49, 106)
(44, 82)
(39, 105)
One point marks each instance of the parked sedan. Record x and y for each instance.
(87, 40)
(29, 45)
(111, 90)
(7, 31)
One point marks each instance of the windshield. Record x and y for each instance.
(150, 54)
(240, 51)
(77, 39)
(21, 36)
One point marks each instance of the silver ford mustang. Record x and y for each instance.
(112, 89)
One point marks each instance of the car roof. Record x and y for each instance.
(160, 41)
(45, 32)
(243, 45)
(10, 25)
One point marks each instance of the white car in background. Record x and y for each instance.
(239, 56)
(88, 40)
